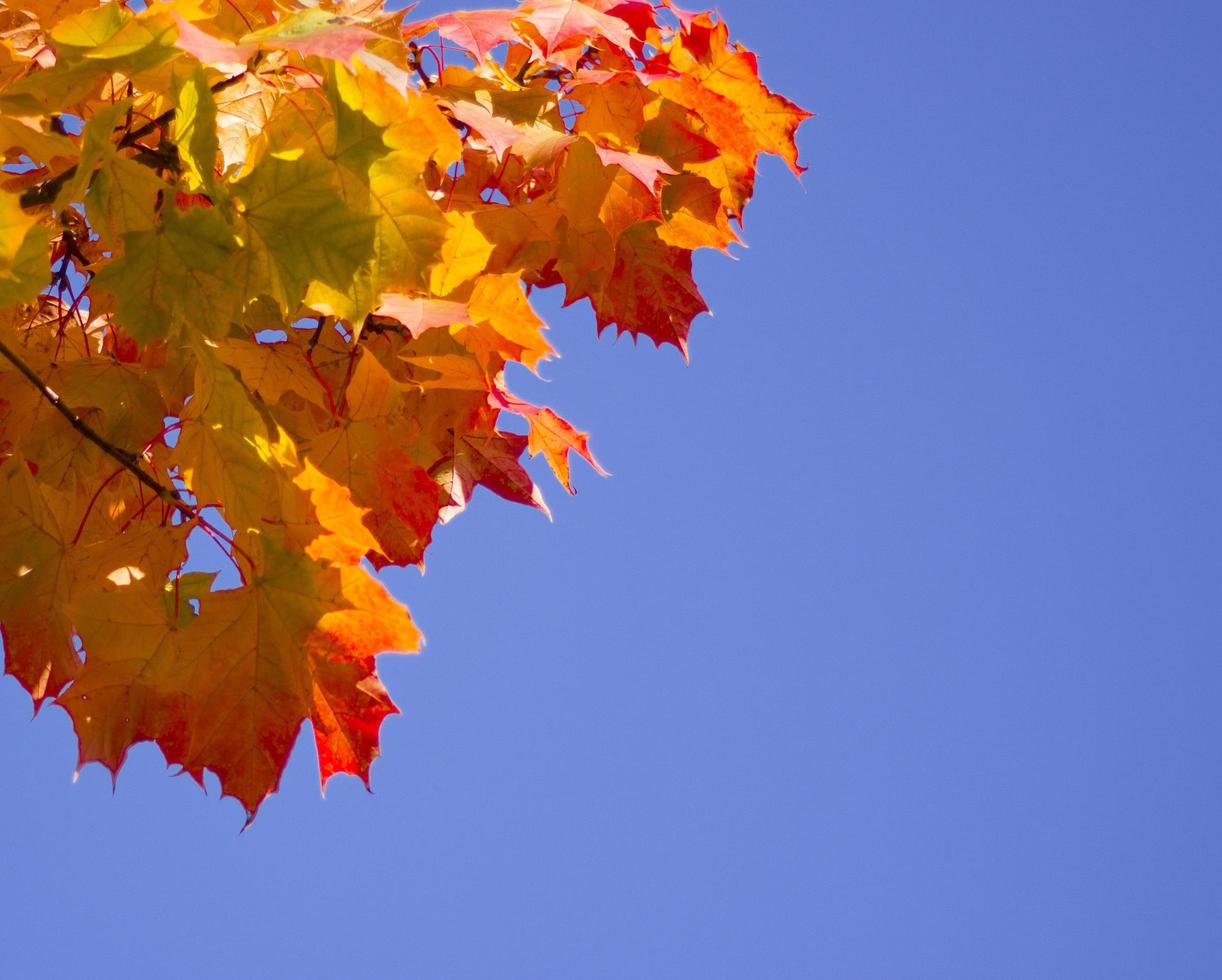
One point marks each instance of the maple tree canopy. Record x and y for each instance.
(262, 266)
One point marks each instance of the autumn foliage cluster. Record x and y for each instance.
(262, 266)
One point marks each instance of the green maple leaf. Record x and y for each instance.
(301, 229)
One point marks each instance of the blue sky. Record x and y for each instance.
(891, 649)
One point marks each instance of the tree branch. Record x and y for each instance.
(130, 461)
(130, 138)
(48, 190)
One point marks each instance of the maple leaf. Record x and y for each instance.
(36, 628)
(301, 229)
(704, 54)
(227, 56)
(493, 461)
(550, 435)
(268, 297)
(650, 290)
(476, 31)
(315, 32)
(23, 257)
(174, 275)
(562, 25)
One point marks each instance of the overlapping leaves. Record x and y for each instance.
(262, 269)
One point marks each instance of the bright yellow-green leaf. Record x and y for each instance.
(92, 27)
(24, 275)
(408, 236)
(195, 131)
(96, 148)
(357, 141)
(110, 35)
(175, 277)
(303, 230)
(123, 198)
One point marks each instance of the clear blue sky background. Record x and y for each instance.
(892, 647)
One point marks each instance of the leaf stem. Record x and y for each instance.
(93, 500)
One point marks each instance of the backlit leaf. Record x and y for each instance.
(265, 268)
